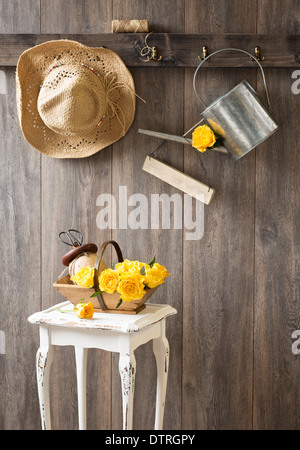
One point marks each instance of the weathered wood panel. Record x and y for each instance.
(20, 16)
(163, 111)
(277, 236)
(218, 270)
(236, 289)
(76, 16)
(69, 193)
(20, 266)
(277, 297)
(144, 244)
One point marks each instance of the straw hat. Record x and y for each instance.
(73, 100)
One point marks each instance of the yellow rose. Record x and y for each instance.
(84, 310)
(202, 138)
(123, 266)
(108, 281)
(131, 287)
(155, 275)
(84, 277)
(128, 266)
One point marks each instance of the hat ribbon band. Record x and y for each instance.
(109, 86)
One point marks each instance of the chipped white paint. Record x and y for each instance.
(124, 323)
(161, 351)
(127, 369)
(44, 358)
(2, 82)
(81, 364)
(121, 333)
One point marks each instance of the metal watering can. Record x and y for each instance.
(239, 117)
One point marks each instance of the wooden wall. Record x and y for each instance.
(236, 290)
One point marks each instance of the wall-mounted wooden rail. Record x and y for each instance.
(177, 50)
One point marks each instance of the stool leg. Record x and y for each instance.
(161, 351)
(81, 363)
(43, 362)
(127, 368)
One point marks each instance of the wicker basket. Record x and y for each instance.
(104, 302)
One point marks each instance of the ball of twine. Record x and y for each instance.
(82, 260)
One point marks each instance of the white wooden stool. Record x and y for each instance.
(121, 333)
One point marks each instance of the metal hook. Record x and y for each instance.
(147, 38)
(204, 53)
(257, 54)
(150, 53)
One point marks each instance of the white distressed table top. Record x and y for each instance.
(124, 323)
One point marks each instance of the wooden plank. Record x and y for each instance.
(283, 17)
(20, 221)
(158, 89)
(218, 269)
(211, 16)
(277, 300)
(69, 192)
(164, 244)
(20, 16)
(177, 50)
(179, 180)
(76, 16)
(20, 263)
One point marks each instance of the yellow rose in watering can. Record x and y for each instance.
(203, 137)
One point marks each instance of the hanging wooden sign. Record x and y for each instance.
(179, 180)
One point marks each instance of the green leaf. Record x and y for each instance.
(95, 294)
(152, 262)
(113, 266)
(64, 310)
(143, 270)
(120, 303)
(218, 143)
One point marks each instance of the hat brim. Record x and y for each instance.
(32, 68)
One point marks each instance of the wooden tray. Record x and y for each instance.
(104, 302)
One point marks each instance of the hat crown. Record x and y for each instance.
(72, 100)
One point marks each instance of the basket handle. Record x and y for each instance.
(97, 265)
(224, 50)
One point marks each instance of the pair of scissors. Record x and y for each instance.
(74, 240)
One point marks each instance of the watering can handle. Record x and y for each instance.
(230, 49)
